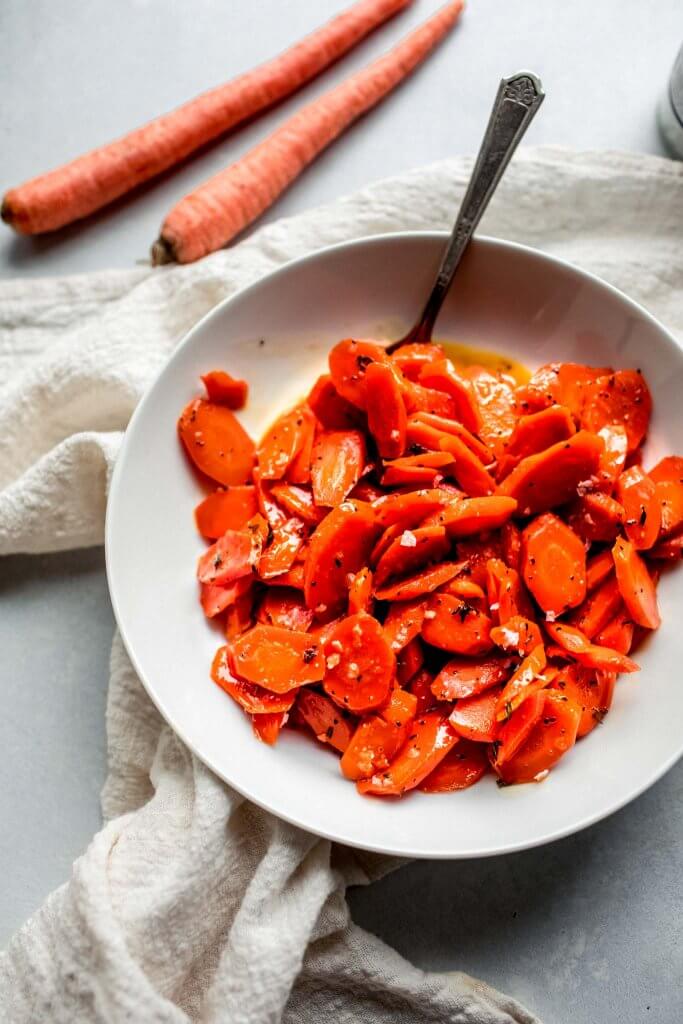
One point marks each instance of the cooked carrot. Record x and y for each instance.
(328, 723)
(462, 766)
(239, 616)
(476, 515)
(430, 740)
(596, 517)
(215, 598)
(468, 469)
(454, 625)
(216, 442)
(92, 181)
(511, 538)
(404, 622)
(527, 679)
(598, 609)
(360, 592)
(214, 213)
(268, 507)
(540, 430)
(553, 735)
(294, 577)
(267, 727)
(635, 583)
(287, 540)
(337, 463)
(233, 555)
(408, 509)
(614, 454)
(412, 357)
(465, 588)
(229, 509)
(284, 607)
(476, 552)
(387, 418)
(590, 690)
(278, 659)
(225, 390)
(299, 470)
(409, 661)
(420, 687)
(668, 478)
(411, 551)
(513, 733)
(424, 470)
(598, 568)
(359, 663)
(517, 635)
(282, 443)
(617, 634)
(474, 718)
(340, 545)
(637, 493)
(540, 482)
(400, 708)
(466, 677)
(348, 360)
(506, 595)
(586, 653)
(621, 398)
(553, 564)
(373, 745)
(424, 582)
(253, 698)
(564, 383)
(497, 406)
(418, 399)
(331, 410)
(668, 550)
(298, 501)
(442, 376)
(424, 428)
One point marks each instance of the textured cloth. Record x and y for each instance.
(191, 904)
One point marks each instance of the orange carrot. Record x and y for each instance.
(253, 698)
(454, 625)
(591, 655)
(359, 664)
(411, 551)
(466, 677)
(528, 679)
(553, 734)
(636, 585)
(328, 723)
(539, 482)
(230, 509)
(278, 659)
(101, 176)
(286, 608)
(430, 740)
(213, 214)
(337, 461)
(462, 766)
(553, 564)
(637, 492)
(225, 390)
(216, 442)
(387, 419)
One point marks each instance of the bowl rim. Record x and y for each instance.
(392, 237)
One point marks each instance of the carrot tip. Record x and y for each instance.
(162, 252)
(6, 212)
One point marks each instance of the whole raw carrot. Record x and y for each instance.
(211, 216)
(97, 178)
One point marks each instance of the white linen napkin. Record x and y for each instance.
(191, 904)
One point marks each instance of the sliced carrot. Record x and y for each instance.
(268, 506)
(281, 444)
(430, 739)
(590, 690)
(420, 687)
(216, 442)
(441, 375)
(348, 361)
(239, 616)
(299, 469)
(340, 545)
(586, 653)
(293, 578)
(454, 625)
(668, 550)
(465, 677)
(216, 598)
(511, 538)
(513, 733)
(411, 551)
(253, 698)
(553, 564)
(416, 471)
(465, 588)
(366, 490)
(404, 622)
(360, 664)
(229, 509)
(617, 634)
(598, 568)
(372, 747)
(496, 400)
(418, 398)
(400, 707)
(614, 453)
(636, 585)
(298, 502)
(468, 469)
(506, 595)
(527, 679)
(621, 398)
(668, 478)
(387, 418)
(337, 463)
(283, 606)
(331, 410)
(462, 766)
(476, 553)
(596, 517)
(440, 425)
(598, 609)
(540, 482)
(287, 540)
(360, 591)
(267, 727)
(408, 509)
(424, 582)
(553, 735)
(233, 555)
(409, 661)
(564, 383)
(225, 390)
(538, 431)
(412, 357)
(474, 718)
(278, 659)
(328, 723)
(476, 515)
(517, 635)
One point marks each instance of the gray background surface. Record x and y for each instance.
(587, 930)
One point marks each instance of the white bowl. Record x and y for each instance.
(276, 334)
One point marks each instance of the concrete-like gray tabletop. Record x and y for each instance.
(587, 930)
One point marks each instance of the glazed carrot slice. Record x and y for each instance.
(410, 551)
(418, 398)
(506, 595)
(284, 606)
(409, 661)
(360, 664)
(366, 490)
(328, 723)
(441, 375)
(590, 690)
(422, 583)
(668, 550)
(621, 398)
(387, 418)
(430, 739)
(412, 357)
(527, 679)
(454, 625)
(299, 469)
(225, 390)
(385, 541)
(540, 482)
(360, 591)
(635, 583)
(596, 517)
(340, 545)
(267, 727)
(281, 443)
(420, 687)
(614, 453)
(468, 470)
(229, 509)
(586, 653)
(598, 609)
(337, 463)
(427, 460)
(233, 555)
(331, 410)
(617, 634)
(239, 616)
(404, 622)
(416, 470)
(298, 502)
(551, 737)
(562, 383)
(215, 599)
(598, 568)
(462, 766)
(513, 733)
(294, 577)
(476, 515)
(216, 442)
(474, 718)
(466, 677)
(540, 430)
(408, 509)
(668, 478)
(251, 697)
(278, 659)
(497, 406)
(517, 635)
(463, 587)
(553, 564)
(372, 747)
(511, 539)
(348, 361)
(440, 425)
(401, 707)
(287, 540)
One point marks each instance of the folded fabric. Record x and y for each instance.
(191, 904)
